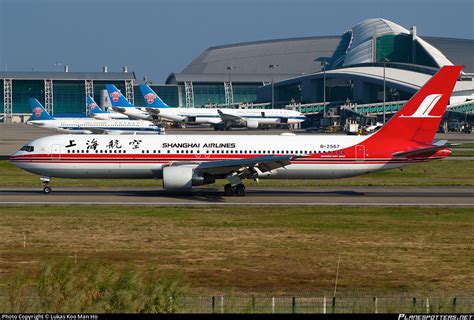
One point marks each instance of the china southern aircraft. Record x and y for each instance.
(41, 118)
(122, 105)
(223, 118)
(97, 113)
(186, 161)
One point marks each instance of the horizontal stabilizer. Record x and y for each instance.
(419, 151)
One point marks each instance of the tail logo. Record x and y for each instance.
(150, 97)
(37, 111)
(424, 109)
(92, 106)
(115, 96)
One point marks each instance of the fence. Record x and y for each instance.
(315, 304)
(323, 304)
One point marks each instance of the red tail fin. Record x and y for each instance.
(419, 119)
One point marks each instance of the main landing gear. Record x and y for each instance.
(237, 190)
(46, 187)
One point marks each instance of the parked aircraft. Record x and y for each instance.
(221, 118)
(186, 161)
(97, 113)
(122, 105)
(41, 118)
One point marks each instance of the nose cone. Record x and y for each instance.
(14, 158)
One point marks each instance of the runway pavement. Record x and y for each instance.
(261, 196)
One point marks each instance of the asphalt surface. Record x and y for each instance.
(261, 196)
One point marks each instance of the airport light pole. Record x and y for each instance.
(57, 64)
(385, 60)
(324, 63)
(273, 66)
(229, 69)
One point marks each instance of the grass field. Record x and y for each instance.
(269, 250)
(435, 173)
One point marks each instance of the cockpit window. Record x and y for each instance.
(28, 148)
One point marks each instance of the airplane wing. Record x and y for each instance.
(118, 109)
(95, 130)
(244, 166)
(230, 117)
(154, 111)
(438, 145)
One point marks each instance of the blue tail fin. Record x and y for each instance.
(38, 112)
(93, 107)
(151, 98)
(116, 97)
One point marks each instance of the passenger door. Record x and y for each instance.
(360, 152)
(56, 151)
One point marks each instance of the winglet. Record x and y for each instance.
(38, 112)
(116, 97)
(151, 98)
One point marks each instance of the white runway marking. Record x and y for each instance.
(288, 204)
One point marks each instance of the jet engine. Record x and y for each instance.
(184, 177)
(251, 124)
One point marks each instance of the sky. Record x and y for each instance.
(155, 38)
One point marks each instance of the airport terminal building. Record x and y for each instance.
(350, 69)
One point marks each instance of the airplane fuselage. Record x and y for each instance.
(144, 156)
(88, 125)
(211, 115)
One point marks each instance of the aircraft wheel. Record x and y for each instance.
(240, 190)
(228, 190)
(47, 190)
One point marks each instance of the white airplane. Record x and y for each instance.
(221, 118)
(41, 118)
(186, 161)
(122, 105)
(97, 113)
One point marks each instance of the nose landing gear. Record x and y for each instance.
(46, 187)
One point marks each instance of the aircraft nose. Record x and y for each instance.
(14, 157)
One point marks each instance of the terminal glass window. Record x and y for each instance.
(24, 89)
(205, 94)
(397, 48)
(69, 97)
(422, 57)
(244, 93)
(288, 93)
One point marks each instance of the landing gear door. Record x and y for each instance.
(56, 151)
(360, 152)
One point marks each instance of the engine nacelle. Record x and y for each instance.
(252, 124)
(184, 177)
